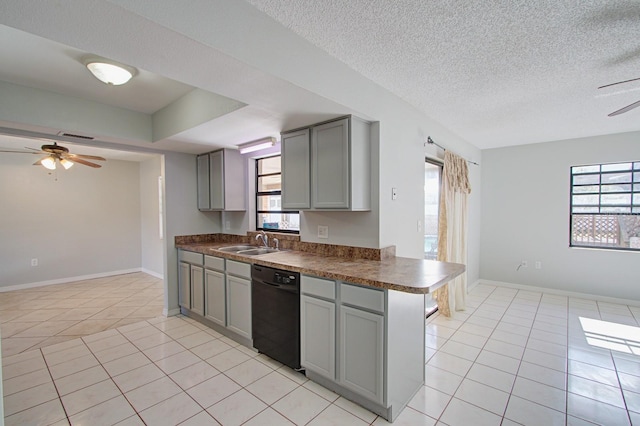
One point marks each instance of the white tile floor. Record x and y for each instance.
(514, 357)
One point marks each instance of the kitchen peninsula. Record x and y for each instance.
(362, 313)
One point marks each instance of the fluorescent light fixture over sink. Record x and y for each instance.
(109, 72)
(257, 145)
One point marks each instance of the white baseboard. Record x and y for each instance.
(170, 313)
(472, 285)
(152, 273)
(576, 294)
(68, 279)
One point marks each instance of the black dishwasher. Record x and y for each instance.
(275, 300)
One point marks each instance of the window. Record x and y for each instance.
(269, 213)
(432, 178)
(605, 206)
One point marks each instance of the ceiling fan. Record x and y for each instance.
(58, 154)
(628, 107)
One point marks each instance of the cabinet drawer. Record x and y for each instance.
(318, 287)
(238, 269)
(362, 297)
(212, 262)
(191, 257)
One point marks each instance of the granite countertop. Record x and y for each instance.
(395, 273)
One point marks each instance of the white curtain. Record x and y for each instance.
(452, 231)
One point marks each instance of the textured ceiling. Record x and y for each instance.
(497, 73)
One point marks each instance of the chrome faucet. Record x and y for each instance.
(263, 236)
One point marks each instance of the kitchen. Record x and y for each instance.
(401, 137)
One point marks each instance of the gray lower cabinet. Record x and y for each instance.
(239, 298)
(362, 352)
(191, 281)
(215, 299)
(197, 289)
(184, 285)
(318, 335)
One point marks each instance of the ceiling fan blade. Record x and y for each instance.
(619, 82)
(85, 162)
(87, 157)
(19, 152)
(33, 149)
(625, 109)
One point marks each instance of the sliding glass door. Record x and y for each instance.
(432, 184)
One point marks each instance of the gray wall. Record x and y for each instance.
(86, 222)
(152, 246)
(181, 217)
(525, 216)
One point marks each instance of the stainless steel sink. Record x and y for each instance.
(257, 251)
(235, 248)
(248, 250)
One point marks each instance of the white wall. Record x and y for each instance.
(525, 216)
(152, 246)
(84, 223)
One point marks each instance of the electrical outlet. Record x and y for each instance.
(538, 264)
(323, 231)
(34, 262)
(227, 225)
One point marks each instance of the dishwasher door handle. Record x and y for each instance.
(266, 283)
(287, 288)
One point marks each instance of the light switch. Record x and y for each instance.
(394, 193)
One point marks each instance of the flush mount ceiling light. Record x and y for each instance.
(257, 145)
(109, 72)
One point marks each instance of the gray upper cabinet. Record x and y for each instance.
(221, 181)
(203, 182)
(331, 163)
(216, 180)
(296, 170)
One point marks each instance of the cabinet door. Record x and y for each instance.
(184, 285)
(330, 165)
(296, 174)
(216, 180)
(361, 352)
(203, 182)
(318, 336)
(215, 303)
(197, 290)
(239, 305)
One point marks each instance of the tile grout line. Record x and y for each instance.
(64, 409)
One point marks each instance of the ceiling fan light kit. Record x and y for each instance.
(66, 163)
(48, 163)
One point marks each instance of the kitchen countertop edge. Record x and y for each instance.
(423, 276)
